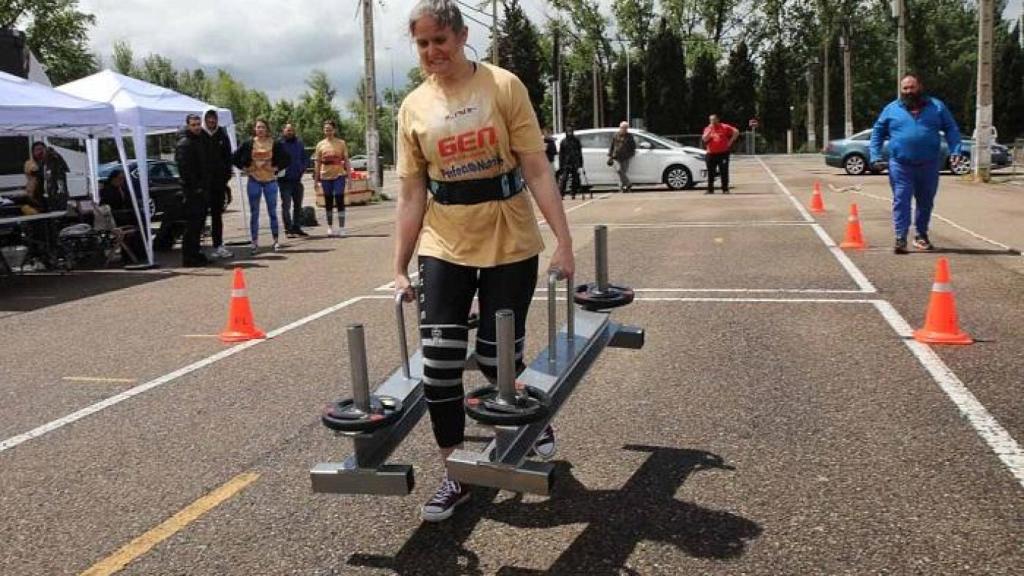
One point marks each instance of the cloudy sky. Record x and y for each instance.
(269, 44)
(273, 45)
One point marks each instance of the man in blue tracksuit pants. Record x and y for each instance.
(912, 125)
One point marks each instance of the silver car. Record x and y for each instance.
(658, 160)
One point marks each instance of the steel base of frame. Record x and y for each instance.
(502, 464)
(365, 472)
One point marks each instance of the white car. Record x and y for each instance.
(358, 161)
(658, 160)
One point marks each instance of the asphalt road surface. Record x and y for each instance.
(779, 419)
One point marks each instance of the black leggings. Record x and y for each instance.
(446, 296)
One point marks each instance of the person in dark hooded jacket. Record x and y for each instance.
(189, 156)
(217, 172)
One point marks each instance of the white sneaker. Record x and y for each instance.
(255, 249)
(277, 246)
(222, 252)
(342, 233)
(330, 232)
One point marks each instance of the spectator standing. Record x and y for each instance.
(46, 179)
(331, 167)
(290, 183)
(217, 171)
(718, 139)
(913, 124)
(189, 156)
(550, 148)
(621, 151)
(262, 157)
(570, 163)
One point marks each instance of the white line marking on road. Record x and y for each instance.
(724, 224)
(146, 386)
(837, 252)
(755, 290)
(938, 216)
(998, 439)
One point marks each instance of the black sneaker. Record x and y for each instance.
(299, 232)
(901, 246)
(545, 447)
(921, 242)
(448, 496)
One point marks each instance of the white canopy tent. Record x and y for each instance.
(145, 108)
(31, 109)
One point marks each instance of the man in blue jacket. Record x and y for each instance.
(912, 125)
(290, 183)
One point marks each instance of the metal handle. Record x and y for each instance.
(570, 316)
(506, 330)
(601, 257)
(403, 344)
(357, 361)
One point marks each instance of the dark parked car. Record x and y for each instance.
(851, 154)
(165, 195)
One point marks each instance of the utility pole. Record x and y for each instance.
(844, 43)
(899, 11)
(494, 32)
(629, 115)
(596, 80)
(824, 96)
(372, 137)
(811, 136)
(981, 152)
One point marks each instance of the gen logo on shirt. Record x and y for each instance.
(467, 141)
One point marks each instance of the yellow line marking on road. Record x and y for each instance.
(143, 544)
(638, 208)
(97, 379)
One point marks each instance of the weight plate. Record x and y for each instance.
(590, 298)
(344, 417)
(482, 405)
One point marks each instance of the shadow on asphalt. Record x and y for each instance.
(27, 292)
(975, 252)
(644, 509)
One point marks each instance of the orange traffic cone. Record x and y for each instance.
(854, 237)
(940, 325)
(240, 323)
(817, 204)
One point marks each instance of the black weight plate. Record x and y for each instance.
(591, 299)
(482, 406)
(343, 417)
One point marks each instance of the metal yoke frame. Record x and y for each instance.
(502, 464)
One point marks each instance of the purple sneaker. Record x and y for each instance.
(448, 496)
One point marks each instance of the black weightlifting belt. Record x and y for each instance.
(478, 191)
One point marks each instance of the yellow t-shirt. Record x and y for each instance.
(332, 155)
(31, 177)
(472, 133)
(262, 154)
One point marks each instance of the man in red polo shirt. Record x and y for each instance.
(718, 140)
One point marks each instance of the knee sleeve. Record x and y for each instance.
(444, 360)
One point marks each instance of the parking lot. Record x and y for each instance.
(779, 419)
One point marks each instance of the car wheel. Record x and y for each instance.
(959, 165)
(855, 165)
(678, 177)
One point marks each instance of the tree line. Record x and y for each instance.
(743, 59)
(761, 59)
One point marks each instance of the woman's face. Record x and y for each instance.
(261, 130)
(38, 152)
(328, 131)
(440, 49)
